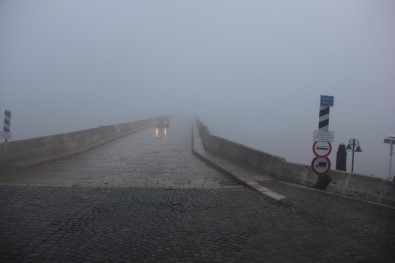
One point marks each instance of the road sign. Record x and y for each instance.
(322, 149)
(324, 136)
(327, 101)
(321, 165)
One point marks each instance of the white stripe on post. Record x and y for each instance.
(7, 121)
(323, 124)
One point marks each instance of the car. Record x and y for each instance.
(162, 123)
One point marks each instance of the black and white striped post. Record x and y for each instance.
(323, 135)
(7, 125)
(323, 124)
(7, 121)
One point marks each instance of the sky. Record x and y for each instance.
(252, 70)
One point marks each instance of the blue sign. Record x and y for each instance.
(327, 101)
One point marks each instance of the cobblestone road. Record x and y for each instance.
(143, 159)
(76, 210)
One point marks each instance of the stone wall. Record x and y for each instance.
(29, 152)
(355, 185)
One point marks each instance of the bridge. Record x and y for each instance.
(131, 193)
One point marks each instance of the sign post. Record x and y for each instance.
(391, 141)
(322, 146)
(6, 134)
(325, 104)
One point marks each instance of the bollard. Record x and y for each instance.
(341, 158)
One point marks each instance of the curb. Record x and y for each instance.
(198, 151)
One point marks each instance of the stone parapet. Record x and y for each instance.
(34, 151)
(359, 186)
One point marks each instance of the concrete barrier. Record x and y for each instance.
(354, 185)
(258, 160)
(34, 151)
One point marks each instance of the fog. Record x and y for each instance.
(252, 70)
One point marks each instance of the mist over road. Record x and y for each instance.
(253, 70)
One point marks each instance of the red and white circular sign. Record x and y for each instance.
(322, 149)
(321, 165)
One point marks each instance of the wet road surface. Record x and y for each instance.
(142, 199)
(148, 158)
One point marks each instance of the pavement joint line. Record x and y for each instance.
(221, 166)
(336, 194)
